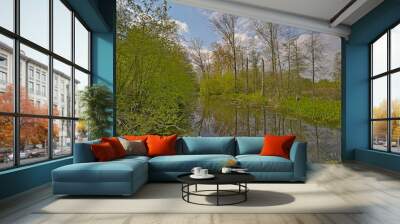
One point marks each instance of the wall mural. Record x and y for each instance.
(193, 71)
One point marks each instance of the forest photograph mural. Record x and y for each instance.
(197, 72)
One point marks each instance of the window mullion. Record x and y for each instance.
(50, 81)
(16, 85)
(73, 81)
(389, 106)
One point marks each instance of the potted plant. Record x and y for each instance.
(97, 104)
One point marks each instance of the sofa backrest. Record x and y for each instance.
(206, 145)
(83, 152)
(249, 145)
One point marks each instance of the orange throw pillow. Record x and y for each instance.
(103, 152)
(277, 145)
(161, 145)
(136, 137)
(116, 145)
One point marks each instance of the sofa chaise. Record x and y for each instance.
(125, 176)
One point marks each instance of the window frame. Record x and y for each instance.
(16, 114)
(388, 74)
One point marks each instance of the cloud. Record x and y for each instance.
(182, 26)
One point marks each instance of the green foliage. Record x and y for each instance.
(316, 111)
(97, 103)
(289, 95)
(156, 85)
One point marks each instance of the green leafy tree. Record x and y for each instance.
(156, 85)
(97, 104)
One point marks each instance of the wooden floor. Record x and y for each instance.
(379, 189)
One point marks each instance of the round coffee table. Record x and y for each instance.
(238, 179)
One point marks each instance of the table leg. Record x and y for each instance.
(188, 190)
(195, 188)
(217, 194)
(245, 193)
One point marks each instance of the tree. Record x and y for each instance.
(315, 57)
(337, 69)
(269, 34)
(33, 131)
(150, 15)
(97, 104)
(155, 79)
(225, 25)
(199, 57)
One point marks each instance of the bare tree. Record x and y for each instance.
(314, 48)
(226, 26)
(254, 59)
(199, 57)
(268, 33)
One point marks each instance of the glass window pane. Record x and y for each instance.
(81, 82)
(35, 21)
(6, 74)
(6, 142)
(379, 56)
(379, 98)
(62, 28)
(33, 139)
(395, 94)
(81, 131)
(62, 138)
(62, 89)
(395, 47)
(7, 14)
(81, 45)
(395, 136)
(34, 72)
(379, 135)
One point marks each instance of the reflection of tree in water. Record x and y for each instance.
(216, 117)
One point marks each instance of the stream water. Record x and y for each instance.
(217, 117)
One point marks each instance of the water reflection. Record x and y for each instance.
(218, 117)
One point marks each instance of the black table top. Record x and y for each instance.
(220, 178)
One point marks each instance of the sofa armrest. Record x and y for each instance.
(83, 152)
(298, 155)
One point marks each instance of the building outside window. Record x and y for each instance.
(37, 75)
(30, 87)
(3, 72)
(30, 72)
(43, 90)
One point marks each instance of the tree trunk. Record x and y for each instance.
(247, 75)
(263, 78)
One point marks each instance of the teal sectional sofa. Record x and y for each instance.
(125, 176)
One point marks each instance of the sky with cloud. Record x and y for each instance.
(194, 23)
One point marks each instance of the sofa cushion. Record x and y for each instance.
(257, 163)
(275, 145)
(161, 145)
(185, 163)
(208, 145)
(103, 152)
(116, 145)
(249, 145)
(135, 147)
(112, 171)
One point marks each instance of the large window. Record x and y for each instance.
(44, 65)
(385, 91)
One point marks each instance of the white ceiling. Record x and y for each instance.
(313, 15)
(320, 9)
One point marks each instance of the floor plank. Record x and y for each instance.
(376, 188)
